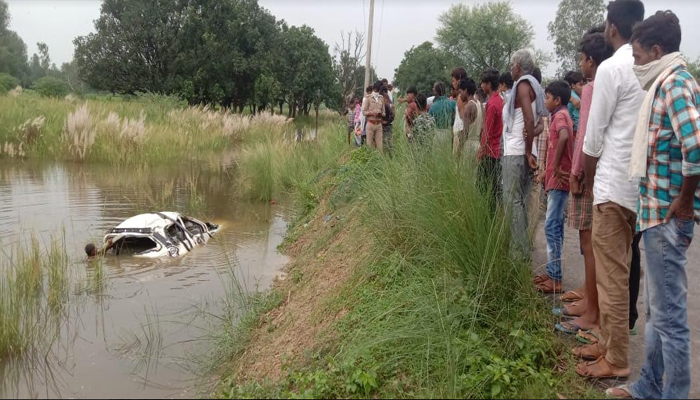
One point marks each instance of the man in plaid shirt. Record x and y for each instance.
(669, 202)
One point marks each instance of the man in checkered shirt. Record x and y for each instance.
(669, 202)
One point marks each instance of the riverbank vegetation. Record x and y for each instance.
(401, 287)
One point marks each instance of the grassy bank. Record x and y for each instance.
(401, 286)
(147, 129)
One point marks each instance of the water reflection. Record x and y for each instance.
(131, 325)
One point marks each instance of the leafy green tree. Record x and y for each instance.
(13, 51)
(574, 18)
(694, 68)
(347, 64)
(267, 91)
(50, 86)
(483, 36)
(7, 83)
(421, 67)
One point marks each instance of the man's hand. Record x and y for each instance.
(532, 160)
(575, 185)
(680, 209)
(561, 176)
(541, 177)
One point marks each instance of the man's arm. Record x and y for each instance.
(602, 109)
(680, 102)
(524, 96)
(468, 117)
(365, 107)
(561, 148)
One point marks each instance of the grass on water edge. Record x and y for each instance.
(148, 129)
(438, 311)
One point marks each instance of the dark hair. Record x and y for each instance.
(481, 94)
(624, 14)
(439, 89)
(90, 250)
(596, 29)
(593, 45)
(490, 76)
(560, 89)
(573, 77)
(459, 73)
(413, 90)
(384, 90)
(369, 89)
(377, 85)
(662, 29)
(469, 85)
(385, 81)
(422, 102)
(537, 74)
(506, 79)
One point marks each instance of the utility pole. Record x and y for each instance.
(368, 61)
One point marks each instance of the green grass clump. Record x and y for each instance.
(440, 310)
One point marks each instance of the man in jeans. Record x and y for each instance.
(666, 156)
(607, 147)
(373, 109)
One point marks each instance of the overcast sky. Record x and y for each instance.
(399, 24)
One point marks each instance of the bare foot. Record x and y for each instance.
(584, 323)
(577, 308)
(601, 369)
(549, 286)
(589, 353)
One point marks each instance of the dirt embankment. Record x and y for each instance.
(324, 258)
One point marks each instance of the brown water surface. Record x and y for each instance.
(135, 330)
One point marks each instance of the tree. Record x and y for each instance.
(574, 18)
(69, 72)
(483, 36)
(13, 51)
(50, 86)
(347, 64)
(421, 67)
(694, 68)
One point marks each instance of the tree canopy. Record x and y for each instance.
(13, 51)
(483, 36)
(574, 18)
(422, 66)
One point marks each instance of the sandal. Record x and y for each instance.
(600, 369)
(563, 312)
(588, 337)
(567, 327)
(589, 353)
(571, 296)
(550, 287)
(540, 278)
(620, 392)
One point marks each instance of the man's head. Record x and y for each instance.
(377, 86)
(655, 37)
(369, 89)
(384, 91)
(594, 50)
(385, 82)
(390, 86)
(458, 74)
(467, 89)
(558, 94)
(411, 93)
(622, 16)
(521, 64)
(421, 102)
(489, 80)
(439, 89)
(90, 250)
(575, 80)
(505, 82)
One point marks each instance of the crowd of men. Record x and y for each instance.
(620, 156)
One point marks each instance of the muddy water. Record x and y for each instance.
(138, 331)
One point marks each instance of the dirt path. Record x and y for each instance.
(573, 276)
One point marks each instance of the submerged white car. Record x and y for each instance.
(160, 234)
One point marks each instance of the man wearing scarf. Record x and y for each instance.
(666, 156)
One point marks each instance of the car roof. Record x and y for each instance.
(150, 220)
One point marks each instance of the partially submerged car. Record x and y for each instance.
(159, 234)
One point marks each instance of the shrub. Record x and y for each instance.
(7, 83)
(49, 86)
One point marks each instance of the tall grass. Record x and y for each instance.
(147, 130)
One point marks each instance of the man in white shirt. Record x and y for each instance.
(608, 150)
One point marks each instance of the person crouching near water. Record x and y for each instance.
(92, 251)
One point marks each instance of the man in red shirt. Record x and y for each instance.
(489, 154)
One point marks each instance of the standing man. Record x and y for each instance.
(411, 110)
(443, 111)
(666, 155)
(489, 154)
(617, 99)
(374, 110)
(523, 109)
(458, 74)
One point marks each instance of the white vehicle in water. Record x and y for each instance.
(160, 234)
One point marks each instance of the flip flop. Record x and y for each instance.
(548, 287)
(583, 337)
(567, 327)
(634, 331)
(571, 296)
(540, 278)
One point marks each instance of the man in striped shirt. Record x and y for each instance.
(669, 202)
